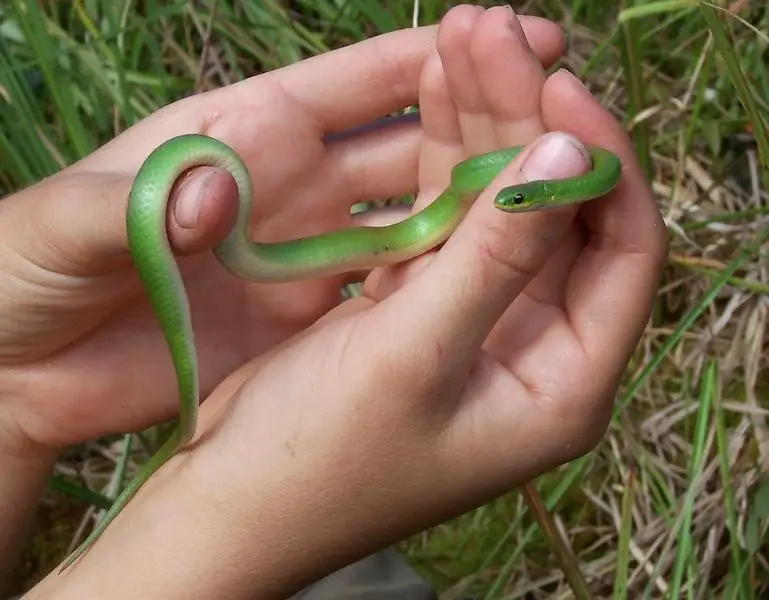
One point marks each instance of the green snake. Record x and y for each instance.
(334, 252)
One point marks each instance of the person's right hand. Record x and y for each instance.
(81, 354)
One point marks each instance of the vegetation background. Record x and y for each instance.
(675, 502)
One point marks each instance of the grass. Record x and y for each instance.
(673, 503)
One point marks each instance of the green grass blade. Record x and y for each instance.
(60, 484)
(630, 51)
(620, 590)
(684, 557)
(741, 589)
(32, 22)
(648, 9)
(725, 46)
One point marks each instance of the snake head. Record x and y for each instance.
(525, 197)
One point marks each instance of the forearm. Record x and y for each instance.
(180, 537)
(24, 471)
(189, 531)
(260, 505)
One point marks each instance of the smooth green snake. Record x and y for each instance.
(334, 252)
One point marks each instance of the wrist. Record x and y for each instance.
(17, 447)
(24, 470)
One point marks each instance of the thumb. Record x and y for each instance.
(456, 300)
(74, 222)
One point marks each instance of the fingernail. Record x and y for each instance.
(555, 155)
(573, 79)
(191, 193)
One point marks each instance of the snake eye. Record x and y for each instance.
(518, 198)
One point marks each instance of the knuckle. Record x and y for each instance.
(582, 415)
(395, 74)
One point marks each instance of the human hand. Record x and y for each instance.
(81, 354)
(455, 378)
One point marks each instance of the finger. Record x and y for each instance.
(454, 40)
(380, 217)
(482, 55)
(442, 143)
(455, 301)
(203, 206)
(501, 57)
(616, 276)
(378, 162)
(80, 216)
(367, 80)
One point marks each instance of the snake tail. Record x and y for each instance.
(166, 451)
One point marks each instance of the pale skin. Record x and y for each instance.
(453, 379)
